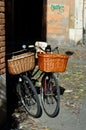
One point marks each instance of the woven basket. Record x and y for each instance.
(52, 62)
(21, 63)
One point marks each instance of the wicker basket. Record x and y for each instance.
(21, 63)
(52, 62)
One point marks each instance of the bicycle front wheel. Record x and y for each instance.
(50, 95)
(29, 97)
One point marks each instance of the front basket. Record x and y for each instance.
(21, 63)
(52, 62)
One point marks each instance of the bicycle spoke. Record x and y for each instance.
(29, 98)
(50, 95)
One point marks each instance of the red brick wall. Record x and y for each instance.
(2, 37)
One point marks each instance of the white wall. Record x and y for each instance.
(76, 34)
(78, 20)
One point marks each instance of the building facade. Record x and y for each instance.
(65, 24)
(66, 21)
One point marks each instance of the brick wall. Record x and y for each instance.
(2, 37)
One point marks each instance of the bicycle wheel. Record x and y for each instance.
(28, 97)
(50, 95)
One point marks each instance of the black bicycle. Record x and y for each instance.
(18, 64)
(38, 69)
(43, 74)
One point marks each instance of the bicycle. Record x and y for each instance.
(49, 88)
(19, 63)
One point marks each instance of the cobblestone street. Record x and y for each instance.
(73, 80)
(74, 83)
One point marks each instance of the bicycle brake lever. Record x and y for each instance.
(24, 46)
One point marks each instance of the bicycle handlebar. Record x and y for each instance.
(52, 50)
(39, 48)
(16, 52)
(30, 48)
(56, 48)
(24, 49)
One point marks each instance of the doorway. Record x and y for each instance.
(24, 23)
(28, 20)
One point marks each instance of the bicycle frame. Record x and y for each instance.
(47, 80)
(32, 74)
(48, 88)
(26, 90)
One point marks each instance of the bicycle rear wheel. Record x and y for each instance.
(28, 97)
(50, 95)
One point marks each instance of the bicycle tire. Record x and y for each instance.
(29, 97)
(50, 95)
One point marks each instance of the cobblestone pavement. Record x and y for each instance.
(2, 99)
(73, 80)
